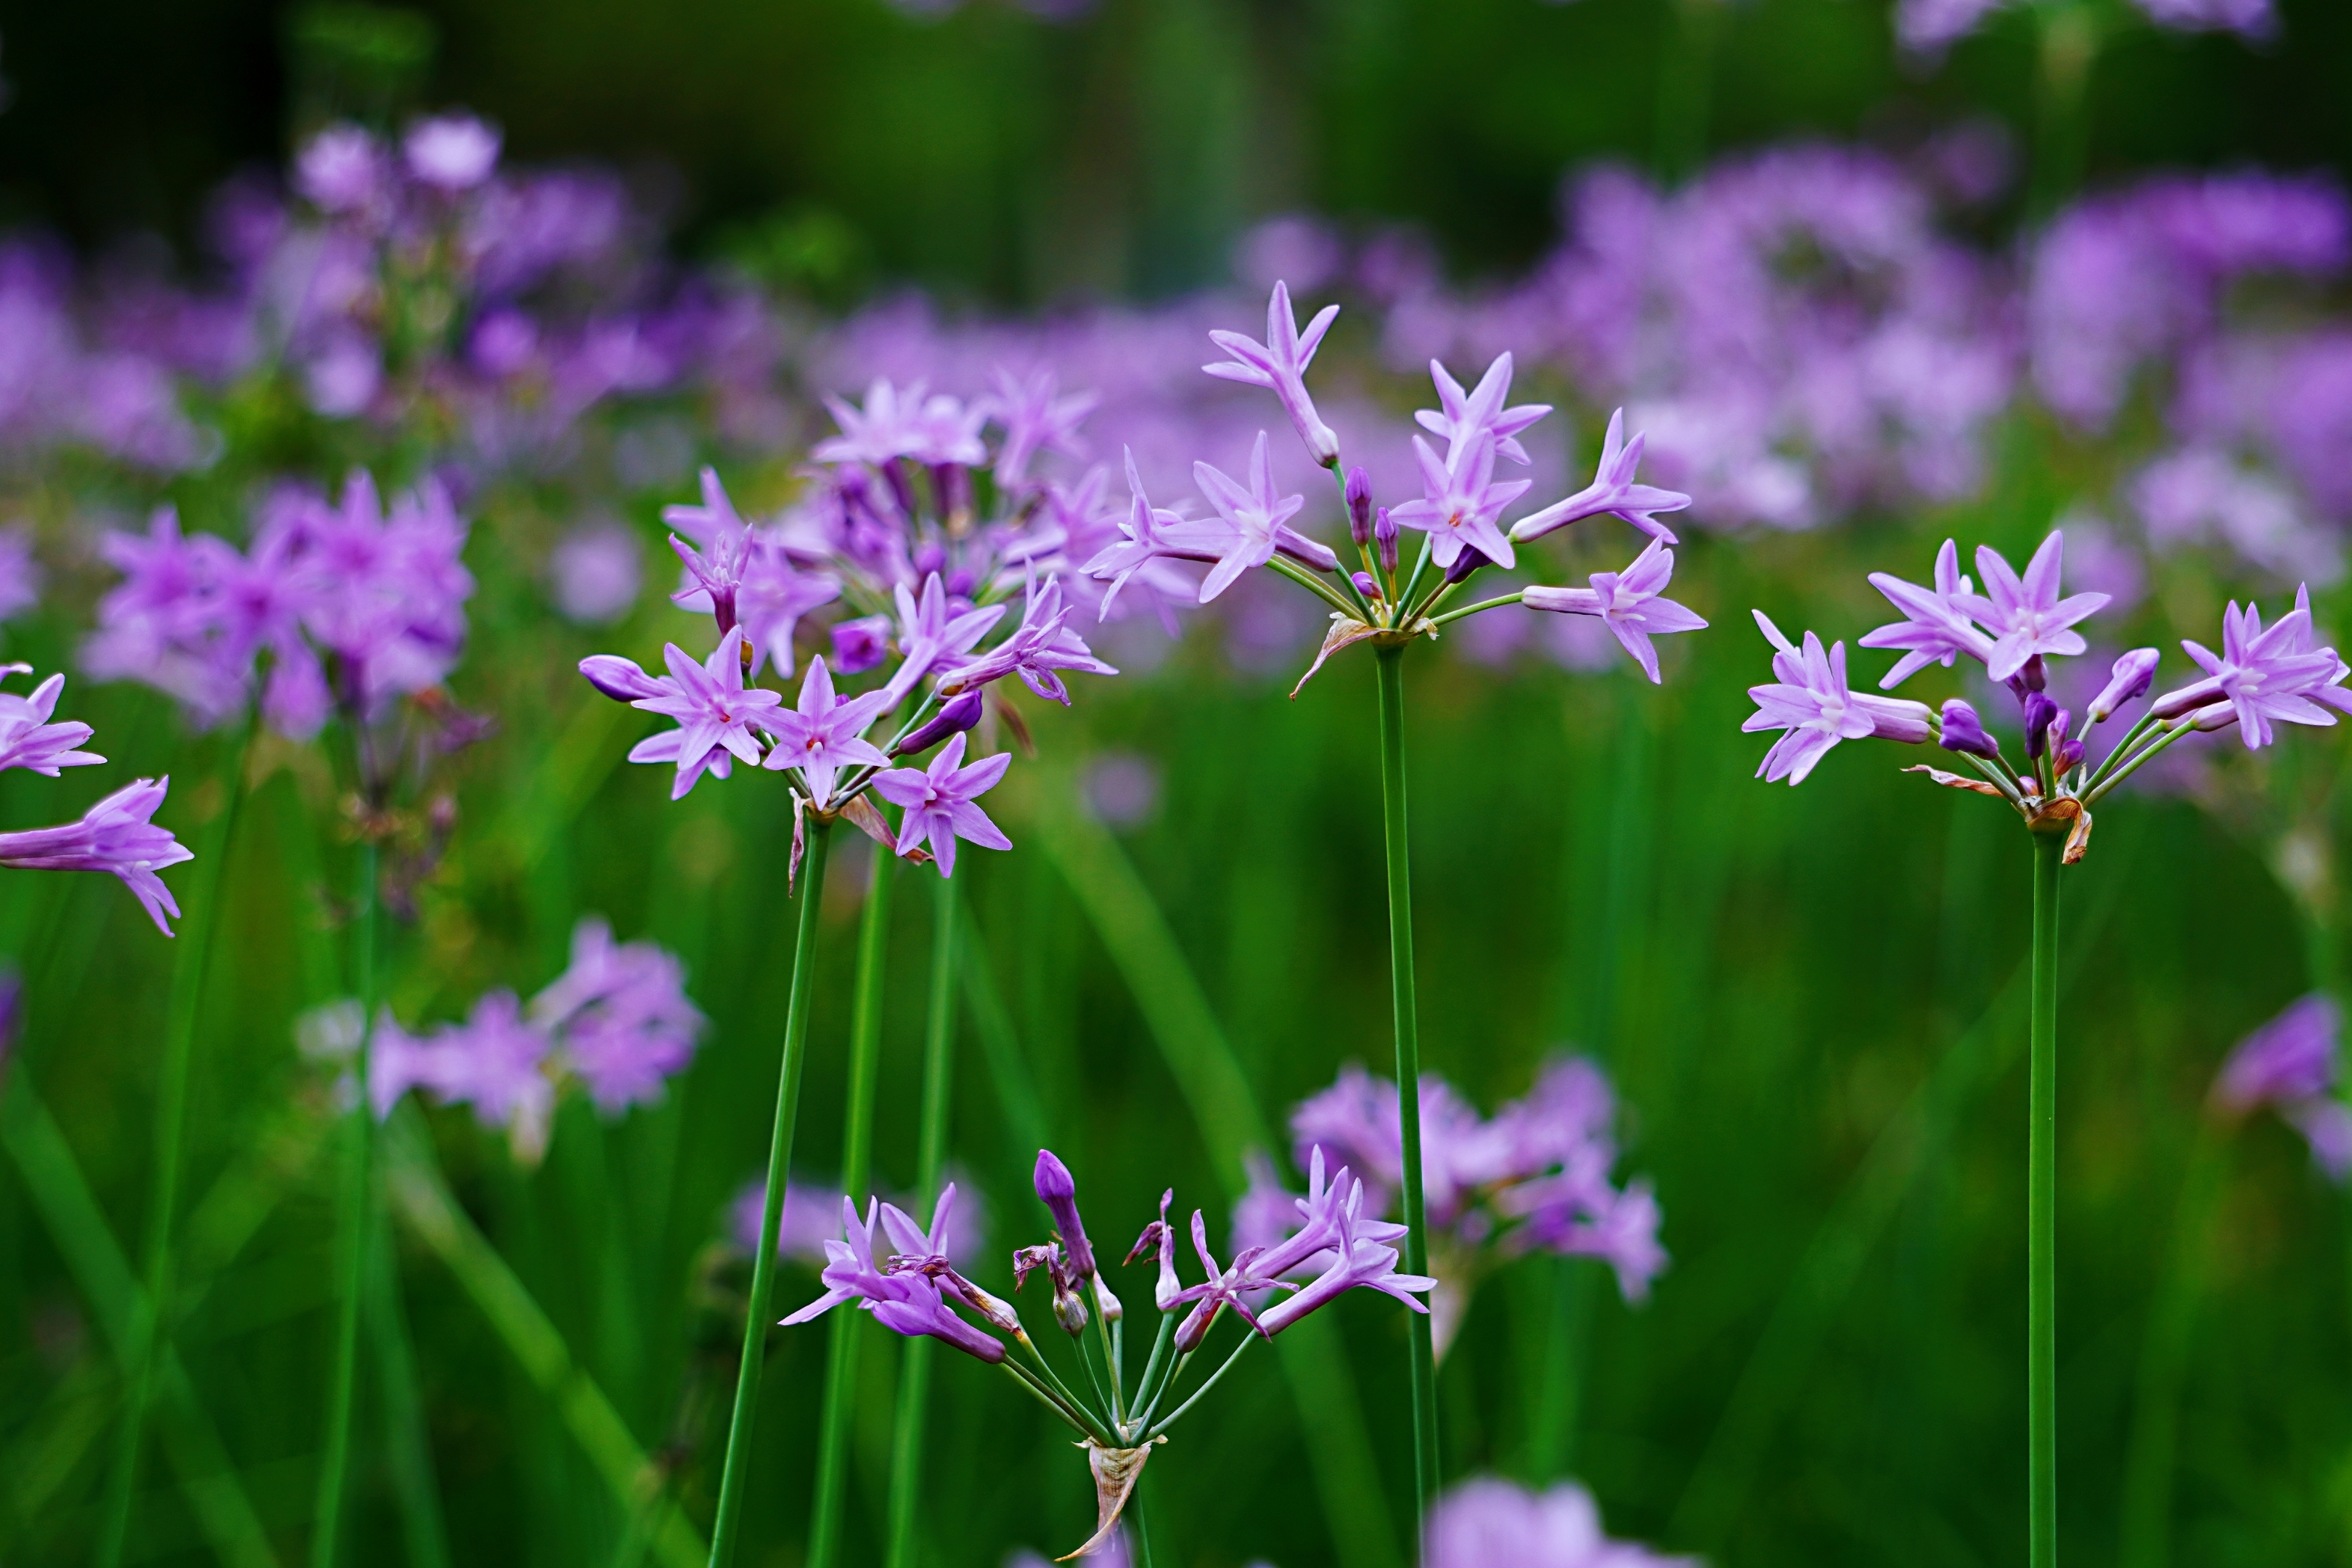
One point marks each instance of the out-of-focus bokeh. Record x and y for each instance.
(2086, 264)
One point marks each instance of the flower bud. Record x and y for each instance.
(930, 557)
(1106, 1302)
(2064, 753)
(2219, 716)
(961, 712)
(1384, 539)
(1058, 1190)
(998, 1311)
(2038, 711)
(1359, 506)
(1070, 1311)
(1469, 560)
(1964, 731)
(1365, 584)
(2134, 673)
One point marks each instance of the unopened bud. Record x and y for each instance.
(2064, 753)
(1964, 731)
(1107, 1303)
(961, 712)
(998, 1311)
(1070, 1311)
(1365, 584)
(1384, 539)
(1359, 506)
(2039, 712)
(2134, 673)
(1469, 560)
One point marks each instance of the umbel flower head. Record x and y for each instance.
(885, 539)
(2021, 623)
(1375, 596)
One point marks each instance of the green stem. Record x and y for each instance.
(1142, 1522)
(152, 1329)
(2067, 47)
(2041, 1212)
(351, 1228)
(736, 1472)
(1423, 1361)
(1248, 1339)
(856, 1162)
(930, 1154)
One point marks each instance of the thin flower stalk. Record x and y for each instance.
(856, 1160)
(734, 1474)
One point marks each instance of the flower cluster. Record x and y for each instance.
(2262, 676)
(1489, 1521)
(1533, 1177)
(917, 1288)
(920, 530)
(1929, 27)
(617, 1022)
(2289, 1064)
(1459, 512)
(342, 604)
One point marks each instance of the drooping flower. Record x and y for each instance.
(116, 837)
(1816, 709)
(940, 802)
(824, 734)
(1631, 603)
(1279, 364)
(28, 739)
(1461, 501)
(1613, 491)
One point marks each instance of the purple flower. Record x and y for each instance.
(341, 169)
(20, 573)
(931, 632)
(1159, 1241)
(1631, 603)
(1813, 705)
(1613, 489)
(1460, 501)
(2134, 673)
(715, 713)
(1486, 1523)
(598, 572)
(1460, 417)
(494, 1061)
(1279, 364)
(619, 1016)
(1357, 1261)
(939, 802)
(860, 645)
(1964, 731)
(1224, 1288)
(2264, 676)
(2040, 715)
(1058, 1191)
(1934, 629)
(850, 1273)
(451, 152)
(1257, 522)
(1041, 646)
(1358, 495)
(2291, 1057)
(824, 734)
(28, 739)
(1035, 419)
(2026, 617)
(906, 1302)
(114, 836)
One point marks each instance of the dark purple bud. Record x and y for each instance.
(1058, 1190)
(2064, 753)
(617, 677)
(962, 712)
(1469, 560)
(1364, 585)
(2039, 712)
(1359, 506)
(2134, 673)
(959, 582)
(1964, 731)
(859, 646)
(2032, 676)
(1384, 539)
(930, 556)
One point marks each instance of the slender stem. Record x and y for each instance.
(736, 1473)
(2095, 794)
(930, 1153)
(152, 1329)
(1493, 603)
(1146, 1389)
(351, 1225)
(1049, 1399)
(1207, 1383)
(1423, 1361)
(856, 1162)
(1110, 1363)
(1307, 579)
(1404, 594)
(2041, 1182)
(1046, 1375)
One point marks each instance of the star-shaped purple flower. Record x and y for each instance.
(939, 802)
(28, 739)
(1813, 704)
(1279, 364)
(929, 635)
(115, 836)
(715, 713)
(1460, 416)
(2024, 615)
(1631, 603)
(1041, 646)
(1613, 489)
(824, 734)
(2265, 676)
(1035, 419)
(1258, 521)
(1461, 501)
(1934, 629)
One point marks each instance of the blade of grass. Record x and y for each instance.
(422, 1199)
(1177, 1012)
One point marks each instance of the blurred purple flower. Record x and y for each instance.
(451, 152)
(341, 169)
(619, 1016)
(2289, 1064)
(598, 570)
(20, 573)
(1484, 1523)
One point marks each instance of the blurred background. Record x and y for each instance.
(1870, 277)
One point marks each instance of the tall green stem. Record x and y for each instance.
(351, 1228)
(734, 1476)
(151, 1331)
(2041, 1212)
(857, 1163)
(2068, 46)
(1390, 661)
(930, 1154)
